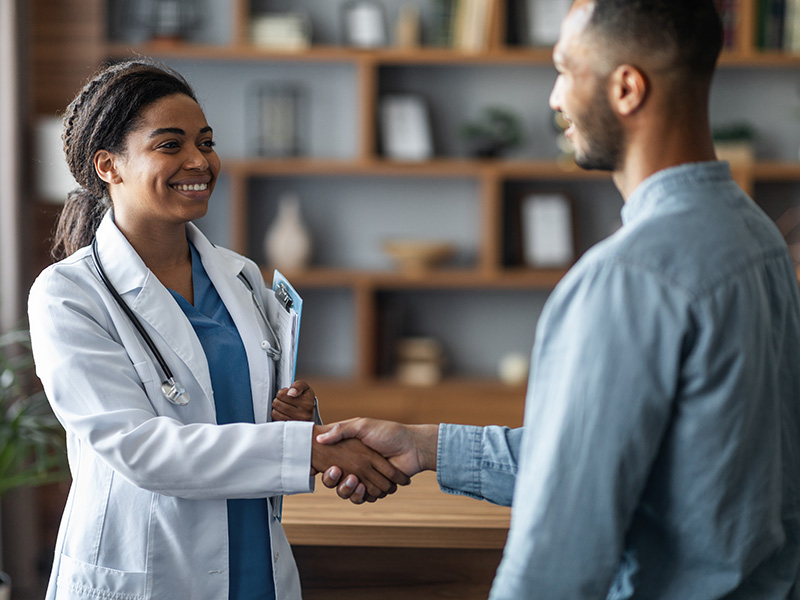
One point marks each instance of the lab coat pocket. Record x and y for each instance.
(145, 371)
(77, 579)
(151, 383)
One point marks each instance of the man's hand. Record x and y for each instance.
(294, 403)
(410, 448)
(376, 474)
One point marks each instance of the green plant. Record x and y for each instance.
(734, 132)
(32, 445)
(496, 131)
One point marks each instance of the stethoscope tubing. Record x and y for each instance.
(130, 314)
(171, 389)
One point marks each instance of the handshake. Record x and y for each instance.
(367, 459)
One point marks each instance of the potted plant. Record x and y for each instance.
(734, 142)
(32, 443)
(495, 132)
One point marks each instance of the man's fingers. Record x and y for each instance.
(333, 435)
(342, 430)
(392, 473)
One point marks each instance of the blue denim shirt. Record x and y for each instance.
(660, 453)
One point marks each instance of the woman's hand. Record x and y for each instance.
(295, 403)
(375, 475)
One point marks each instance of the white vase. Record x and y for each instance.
(287, 243)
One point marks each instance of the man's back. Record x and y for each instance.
(662, 419)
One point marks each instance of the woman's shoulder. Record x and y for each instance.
(68, 277)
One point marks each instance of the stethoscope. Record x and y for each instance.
(172, 389)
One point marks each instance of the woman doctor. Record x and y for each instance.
(173, 491)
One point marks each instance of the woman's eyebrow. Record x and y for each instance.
(176, 131)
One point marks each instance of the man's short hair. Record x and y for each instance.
(689, 31)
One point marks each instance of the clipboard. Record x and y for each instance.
(285, 317)
(286, 320)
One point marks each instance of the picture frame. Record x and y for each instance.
(541, 20)
(546, 226)
(280, 116)
(405, 128)
(364, 24)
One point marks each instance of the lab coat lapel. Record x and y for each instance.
(152, 303)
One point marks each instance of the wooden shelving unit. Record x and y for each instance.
(489, 271)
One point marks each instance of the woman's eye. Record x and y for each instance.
(208, 143)
(169, 145)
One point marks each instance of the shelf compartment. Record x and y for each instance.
(349, 218)
(476, 328)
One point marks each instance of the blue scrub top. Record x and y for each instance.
(248, 519)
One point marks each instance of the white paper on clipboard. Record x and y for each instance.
(285, 318)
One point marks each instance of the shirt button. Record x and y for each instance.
(276, 557)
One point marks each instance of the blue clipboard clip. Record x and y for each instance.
(283, 296)
(286, 294)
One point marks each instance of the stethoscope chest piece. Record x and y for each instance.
(175, 392)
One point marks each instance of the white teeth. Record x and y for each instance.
(192, 187)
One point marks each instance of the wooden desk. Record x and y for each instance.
(419, 543)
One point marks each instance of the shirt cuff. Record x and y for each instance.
(296, 464)
(458, 459)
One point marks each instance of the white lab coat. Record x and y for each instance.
(146, 516)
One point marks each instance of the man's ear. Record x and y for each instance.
(628, 89)
(105, 167)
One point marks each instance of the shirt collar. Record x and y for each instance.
(645, 199)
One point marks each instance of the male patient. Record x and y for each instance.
(660, 454)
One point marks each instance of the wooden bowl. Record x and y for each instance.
(418, 255)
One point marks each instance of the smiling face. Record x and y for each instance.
(581, 95)
(168, 169)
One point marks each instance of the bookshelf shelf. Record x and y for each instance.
(457, 279)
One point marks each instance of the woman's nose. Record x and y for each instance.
(196, 160)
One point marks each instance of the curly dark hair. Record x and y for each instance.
(100, 117)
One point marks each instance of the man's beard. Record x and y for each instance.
(603, 136)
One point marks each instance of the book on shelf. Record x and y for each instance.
(729, 16)
(463, 24)
(473, 25)
(791, 29)
(771, 18)
(778, 25)
(442, 18)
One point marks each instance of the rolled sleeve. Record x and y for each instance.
(479, 462)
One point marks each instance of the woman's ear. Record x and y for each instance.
(105, 167)
(628, 89)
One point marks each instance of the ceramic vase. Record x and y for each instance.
(287, 243)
